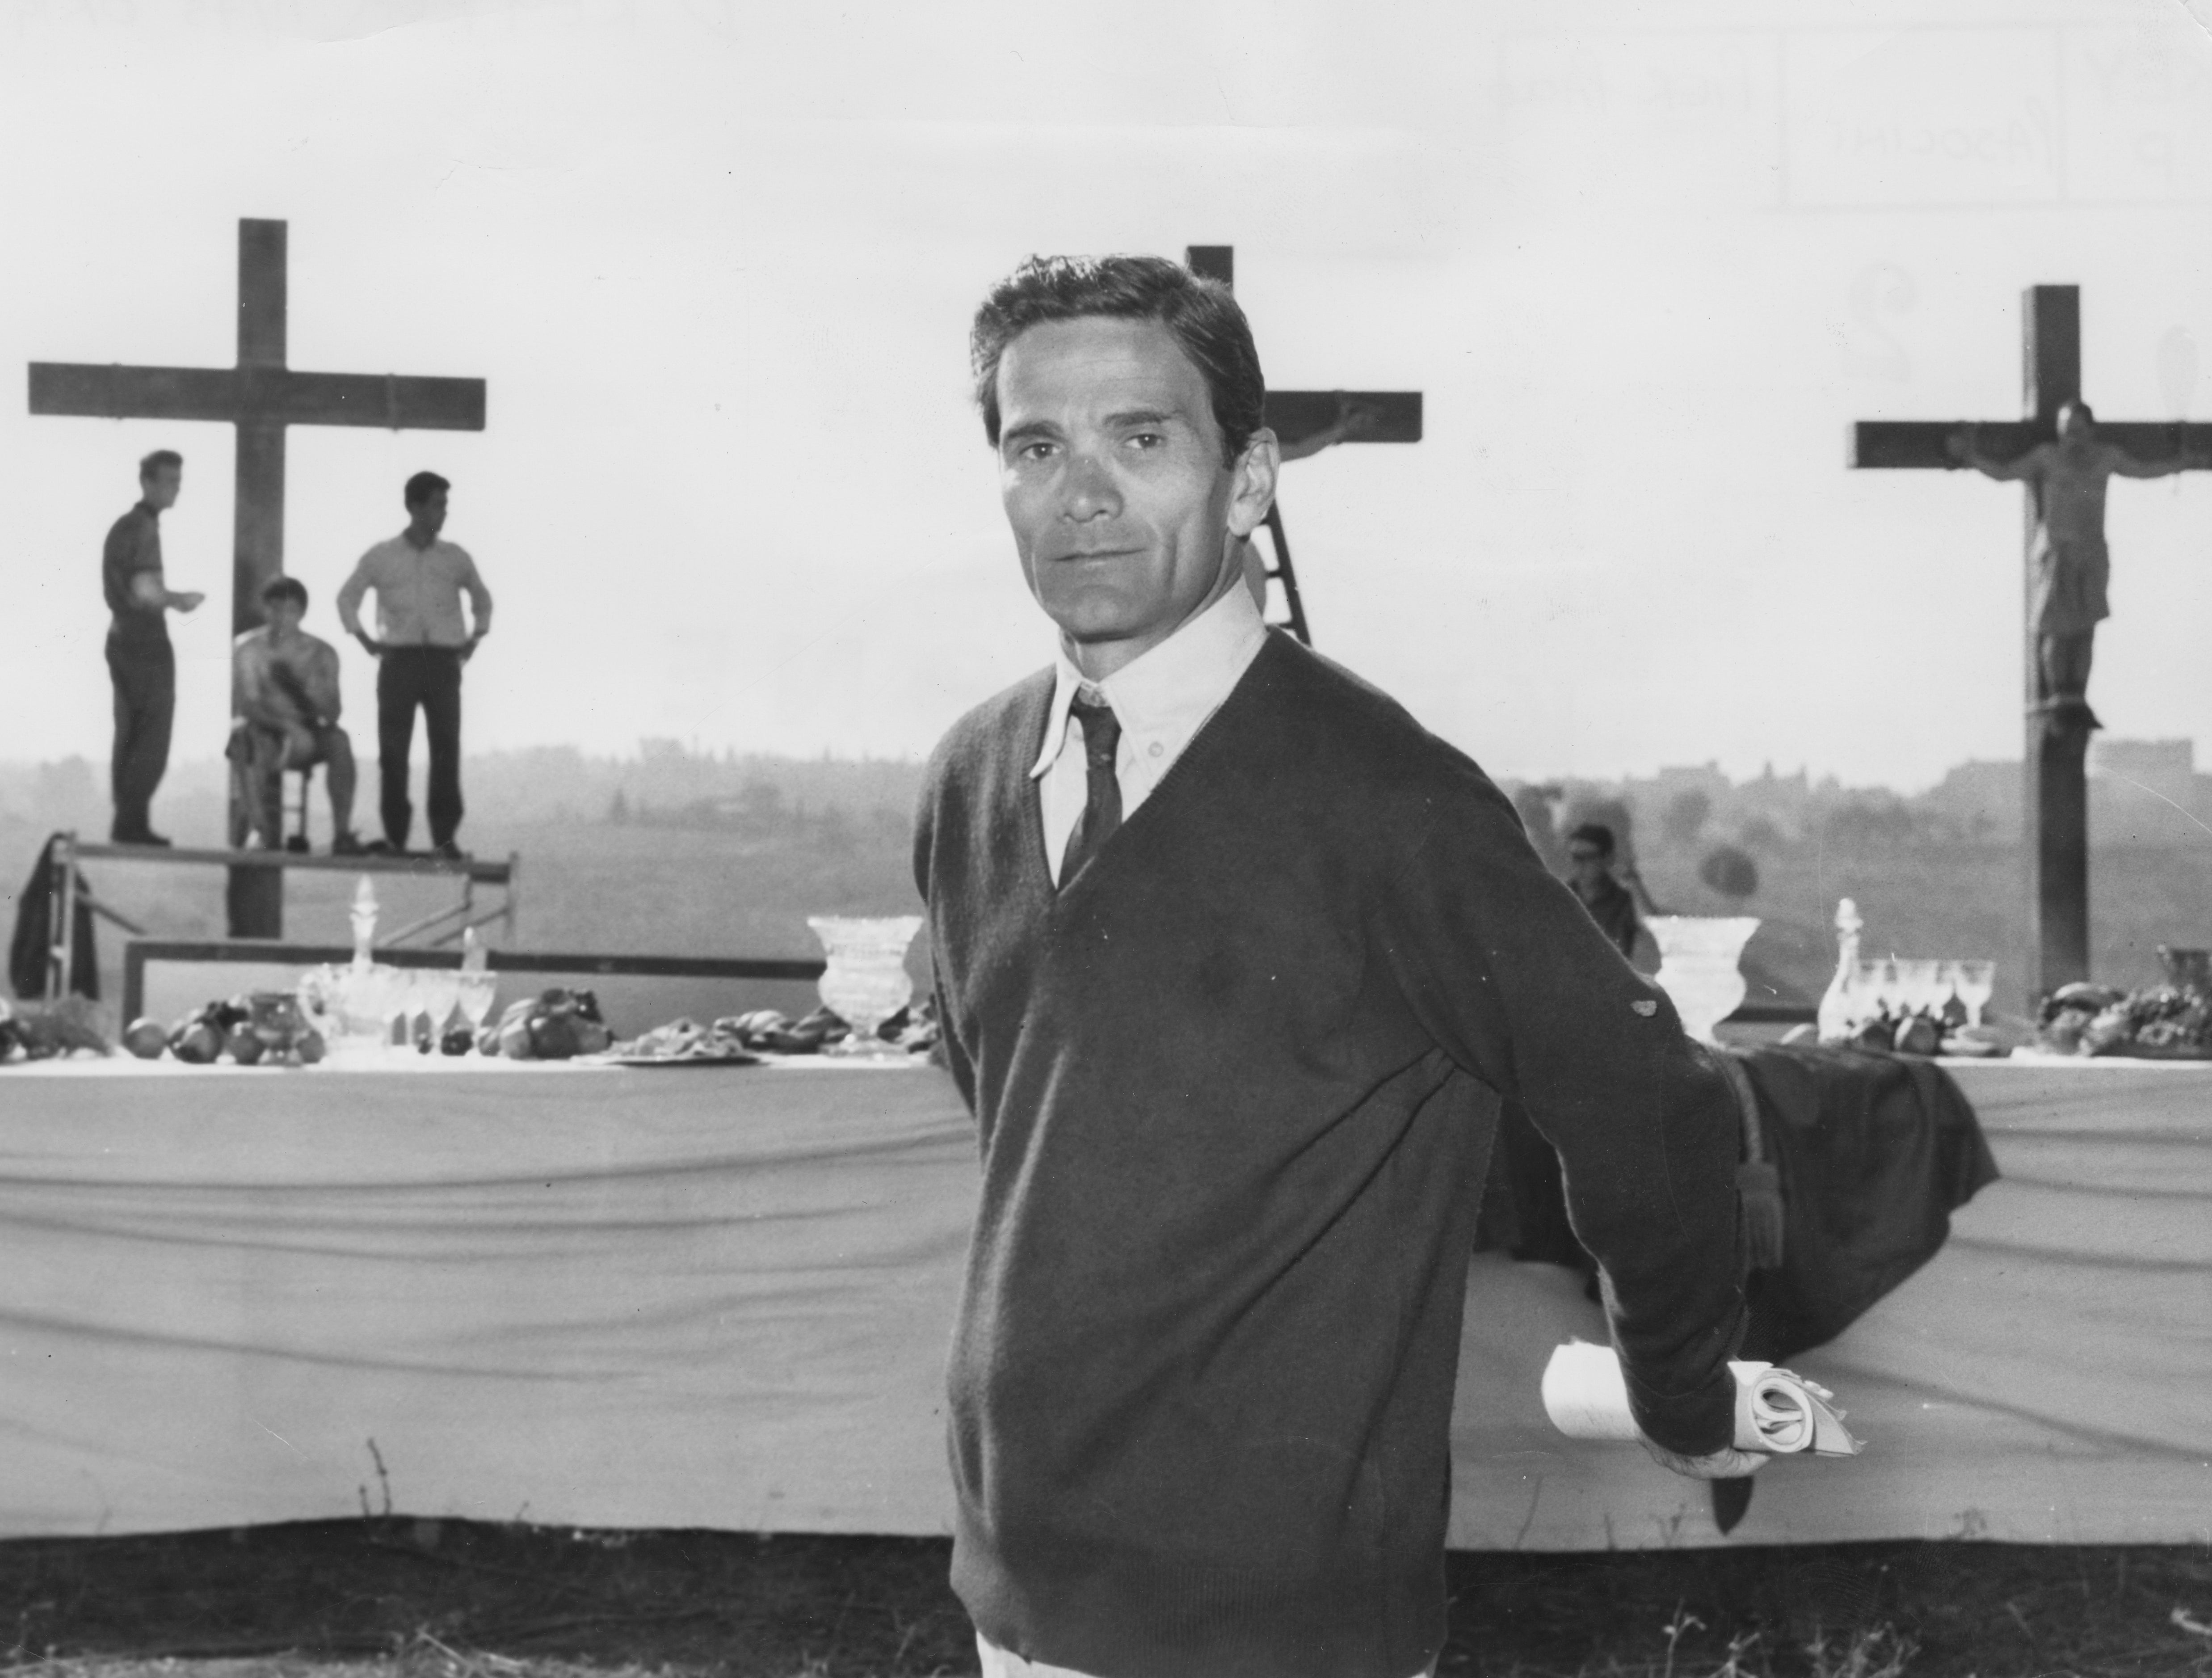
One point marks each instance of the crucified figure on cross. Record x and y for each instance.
(2069, 565)
(2064, 458)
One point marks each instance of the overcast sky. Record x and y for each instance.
(1646, 263)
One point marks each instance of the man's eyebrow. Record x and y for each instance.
(1028, 431)
(1129, 416)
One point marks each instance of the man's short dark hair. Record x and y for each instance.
(1596, 835)
(159, 459)
(284, 588)
(422, 486)
(1200, 312)
(2075, 405)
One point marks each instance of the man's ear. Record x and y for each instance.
(1253, 491)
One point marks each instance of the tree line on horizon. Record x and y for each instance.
(669, 784)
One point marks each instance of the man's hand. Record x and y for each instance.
(298, 743)
(469, 647)
(1726, 1464)
(1959, 446)
(373, 648)
(186, 599)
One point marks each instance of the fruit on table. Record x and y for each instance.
(1918, 1036)
(555, 1024)
(688, 1040)
(2153, 1019)
(822, 1026)
(2084, 996)
(262, 1028)
(146, 1039)
(196, 1042)
(765, 1027)
(458, 1041)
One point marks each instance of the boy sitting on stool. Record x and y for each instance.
(287, 686)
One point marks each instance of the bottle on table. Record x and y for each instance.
(1840, 1004)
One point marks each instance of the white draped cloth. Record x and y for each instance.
(721, 1297)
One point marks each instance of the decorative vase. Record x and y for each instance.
(1699, 966)
(865, 982)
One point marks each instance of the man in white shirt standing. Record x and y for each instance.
(422, 641)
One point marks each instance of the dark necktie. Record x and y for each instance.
(1102, 803)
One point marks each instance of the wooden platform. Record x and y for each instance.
(479, 870)
(445, 926)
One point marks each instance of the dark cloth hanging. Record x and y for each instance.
(27, 949)
(1872, 1153)
(1875, 1153)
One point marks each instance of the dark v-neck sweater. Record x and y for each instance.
(1234, 1082)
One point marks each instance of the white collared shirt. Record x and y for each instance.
(1162, 699)
(418, 593)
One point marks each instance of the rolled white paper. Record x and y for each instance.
(1776, 1411)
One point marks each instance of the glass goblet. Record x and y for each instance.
(864, 980)
(1868, 992)
(1921, 994)
(397, 1002)
(1947, 992)
(438, 989)
(1978, 981)
(479, 988)
(319, 997)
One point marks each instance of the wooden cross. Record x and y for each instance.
(2054, 783)
(260, 396)
(1307, 422)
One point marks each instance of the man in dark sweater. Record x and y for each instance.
(1235, 961)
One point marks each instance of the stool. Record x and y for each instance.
(291, 803)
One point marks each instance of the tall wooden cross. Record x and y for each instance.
(1307, 422)
(260, 396)
(2054, 782)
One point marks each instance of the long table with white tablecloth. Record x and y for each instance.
(720, 1298)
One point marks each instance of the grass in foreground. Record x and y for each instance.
(417, 1599)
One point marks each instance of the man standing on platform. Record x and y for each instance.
(2072, 566)
(1235, 963)
(421, 643)
(141, 663)
(287, 685)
